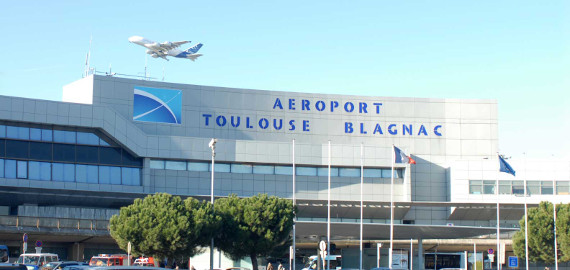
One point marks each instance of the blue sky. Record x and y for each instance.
(517, 52)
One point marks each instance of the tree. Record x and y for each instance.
(254, 226)
(164, 226)
(541, 234)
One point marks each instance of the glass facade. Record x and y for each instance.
(516, 187)
(52, 154)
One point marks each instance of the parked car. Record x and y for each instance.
(12, 266)
(109, 260)
(34, 261)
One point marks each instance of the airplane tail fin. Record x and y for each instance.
(195, 48)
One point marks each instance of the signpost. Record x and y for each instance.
(129, 253)
(513, 262)
(25, 238)
(39, 246)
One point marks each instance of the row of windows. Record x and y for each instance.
(65, 172)
(517, 187)
(271, 169)
(44, 151)
(50, 135)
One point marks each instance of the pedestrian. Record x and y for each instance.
(269, 266)
(280, 267)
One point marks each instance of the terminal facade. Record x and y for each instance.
(67, 167)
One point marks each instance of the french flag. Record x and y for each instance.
(400, 157)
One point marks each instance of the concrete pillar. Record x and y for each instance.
(420, 253)
(77, 252)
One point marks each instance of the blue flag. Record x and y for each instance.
(401, 157)
(505, 167)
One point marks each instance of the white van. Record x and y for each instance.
(34, 261)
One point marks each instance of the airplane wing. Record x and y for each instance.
(167, 45)
(193, 56)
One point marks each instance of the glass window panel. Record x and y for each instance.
(34, 170)
(1, 168)
(475, 187)
(399, 173)
(157, 164)
(130, 160)
(17, 149)
(308, 171)
(488, 187)
(41, 151)
(284, 170)
(386, 173)
(504, 189)
(518, 187)
(198, 166)
(45, 171)
(64, 152)
(57, 171)
(103, 142)
(10, 168)
(263, 169)
(373, 173)
(533, 187)
(2, 148)
(241, 168)
(87, 138)
(92, 174)
(68, 172)
(35, 134)
(87, 154)
(22, 169)
(81, 173)
(47, 135)
(2, 131)
(176, 165)
(115, 175)
(325, 171)
(39, 170)
(563, 188)
(221, 167)
(110, 155)
(104, 175)
(18, 132)
(126, 176)
(64, 136)
(349, 172)
(547, 188)
(136, 176)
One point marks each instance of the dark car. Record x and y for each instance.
(12, 266)
(60, 265)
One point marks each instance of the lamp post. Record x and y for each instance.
(212, 146)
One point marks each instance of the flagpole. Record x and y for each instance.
(391, 211)
(498, 215)
(361, 198)
(329, 211)
(474, 255)
(525, 214)
(292, 266)
(555, 240)
(411, 254)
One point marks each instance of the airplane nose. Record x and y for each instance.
(133, 39)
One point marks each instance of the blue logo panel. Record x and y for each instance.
(157, 105)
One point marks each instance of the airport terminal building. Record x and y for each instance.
(66, 167)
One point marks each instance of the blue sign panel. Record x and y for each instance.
(157, 105)
(513, 262)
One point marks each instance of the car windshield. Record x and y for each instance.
(29, 259)
(51, 264)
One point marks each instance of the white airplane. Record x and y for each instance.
(167, 48)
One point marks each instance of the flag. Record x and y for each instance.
(505, 167)
(400, 157)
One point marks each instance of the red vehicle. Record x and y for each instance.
(109, 260)
(149, 261)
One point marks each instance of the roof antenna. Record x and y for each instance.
(87, 58)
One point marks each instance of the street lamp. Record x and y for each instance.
(212, 146)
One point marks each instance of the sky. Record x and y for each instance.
(517, 52)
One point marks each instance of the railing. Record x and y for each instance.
(54, 223)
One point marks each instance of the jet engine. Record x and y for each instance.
(167, 44)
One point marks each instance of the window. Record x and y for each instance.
(87, 154)
(64, 136)
(10, 168)
(115, 175)
(308, 171)
(376, 173)
(39, 170)
(64, 152)
(87, 173)
(35, 134)
(17, 149)
(563, 188)
(533, 187)
(47, 135)
(176, 165)
(488, 187)
(22, 169)
(63, 172)
(131, 176)
(475, 187)
(2, 131)
(325, 171)
(109, 175)
(198, 166)
(130, 160)
(221, 167)
(109, 155)
(241, 168)
(546, 188)
(263, 169)
(505, 187)
(1, 166)
(349, 172)
(2, 148)
(87, 138)
(157, 164)
(17, 133)
(284, 170)
(41, 151)
(518, 187)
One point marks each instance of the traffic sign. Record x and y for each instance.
(38, 243)
(490, 251)
(25, 237)
(323, 245)
(513, 262)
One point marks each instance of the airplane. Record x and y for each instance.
(167, 48)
